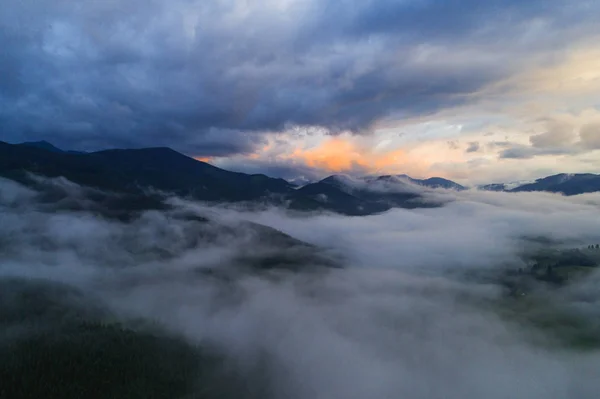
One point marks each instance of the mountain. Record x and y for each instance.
(134, 171)
(494, 187)
(168, 170)
(329, 194)
(505, 186)
(567, 184)
(432, 182)
(362, 196)
(43, 144)
(564, 183)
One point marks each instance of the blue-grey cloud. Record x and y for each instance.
(557, 134)
(473, 147)
(519, 151)
(207, 77)
(559, 138)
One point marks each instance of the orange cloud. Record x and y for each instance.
(334, 154)
(390, 160)
(339, 154)
(347, 153)
(203, 159)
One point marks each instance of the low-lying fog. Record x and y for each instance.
(381, 306)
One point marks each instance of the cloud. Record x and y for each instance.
(570, 79)
(401, 304)
(560, 138)
(313, 154)
(558, 134)
(590, 136)
(518, 152)
(429, 238)
(501, 144)
(473, 147)
(200, 76)
(527, 152)
(453, 145)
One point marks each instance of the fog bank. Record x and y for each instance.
(375, 307)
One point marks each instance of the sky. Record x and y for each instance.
(473, 91)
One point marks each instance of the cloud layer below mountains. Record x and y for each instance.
(400, 319)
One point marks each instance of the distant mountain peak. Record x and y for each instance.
(431, 182)
(165, 150)
(43, 144)
(565, 183)
(400, 182)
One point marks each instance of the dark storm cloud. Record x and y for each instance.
(446, 20)
(203, 76)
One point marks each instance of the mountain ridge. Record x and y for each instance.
(561, 183)
(43, 144)
(134, 171)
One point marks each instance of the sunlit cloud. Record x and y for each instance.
(334, 154)
(577, 74)
(545, 113)
(320, 154)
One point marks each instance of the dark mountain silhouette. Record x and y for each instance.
(168, 170)
(43, 144)
(134, 171)
(328, 194)
(360, 197)
(568, 184)
(563, 183)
